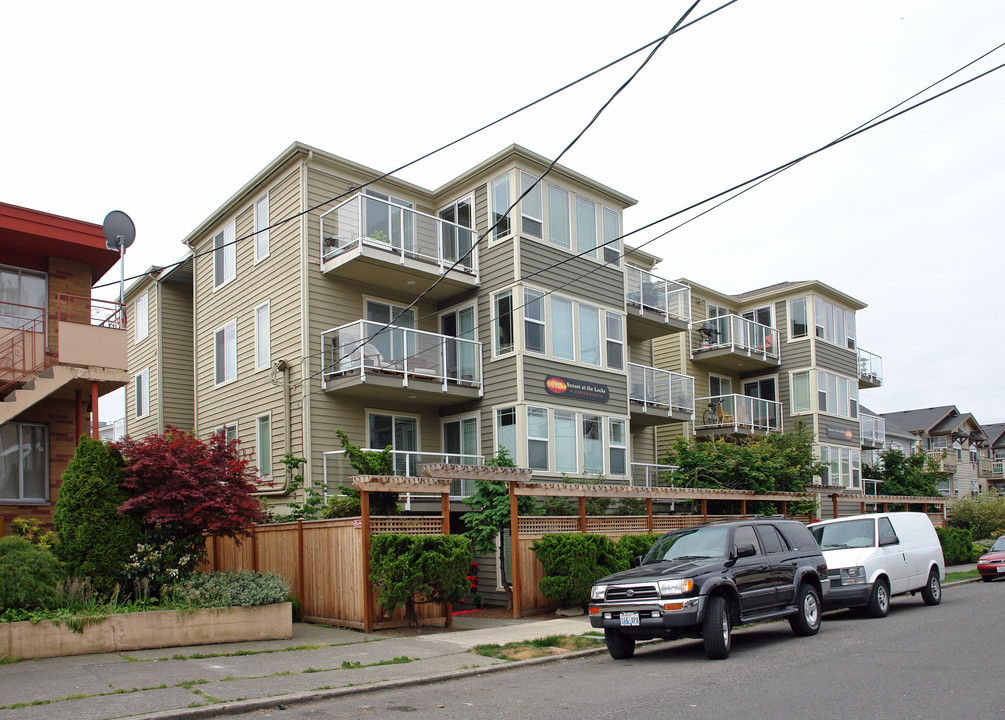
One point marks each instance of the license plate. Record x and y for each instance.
(631, 619)
(1001, 568)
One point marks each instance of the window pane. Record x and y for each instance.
(797, 308)
(264, 442)
(531, 206)
(612, 229)
(220, 357)
(500, 206)
(586, 227)
(142, 319)
(261, 227)
(615, 342)
(504, 322)
(818, 313)
(565, 442)
(533, 312)
(381, 431)
(33, 461)
(218, 272)
(801, 392)
(618, 444)
(9, 456)
(593, 445)
(506, 431)
(589, 335)
(558, 217)
(537, 438)
(562, 334)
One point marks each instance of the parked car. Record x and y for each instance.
(871, 558)
(703, 581)
(991, 564)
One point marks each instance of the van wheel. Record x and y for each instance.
(932, 592)
(879, 601)
(620, 645)
(806, 622)
(717, 630)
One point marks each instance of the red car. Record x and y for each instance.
(992, 563)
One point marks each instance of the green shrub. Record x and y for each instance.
(340, 506)
(29, 575)
(957, 545)
(631, 546)
(984, 517)
(572, 562)
(225, 589)
(409, 569)
(31, 528)
(95, 539)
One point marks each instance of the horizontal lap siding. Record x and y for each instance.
(144, 356)
(644, 445)
(176, 355)
(582, 278)
(836, 359)
(536, 369)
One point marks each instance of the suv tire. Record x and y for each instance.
(620, 645)
(879, 602)
(932, 592)
(717, 629)
(806, 622)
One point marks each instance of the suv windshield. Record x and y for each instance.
(846, 534)
(692, 544)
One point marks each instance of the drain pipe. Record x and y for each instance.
(283, 367)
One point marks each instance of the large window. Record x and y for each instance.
(388, 219)
(22, 297)
(586, 227)
(615, 341)
(562, 328)
(225, 353)
(263, 439)
(533, 320)
(612, 233)
(401, 432)
(262, 336)
(460, 440)
(719, 385)
(559, 225)
(801, 391)
(833, 323)
(502, 313)
(618, 447)
(262, 228)
(566, 453)
(506, 432)
(593, 444)
(842, 466)
(532, 207)
(537, 438)
(24, 462)
(224, 256)
(141, 389)
(456, 242)
(141, 316)
(798, 319)
(837, 395)
(499, 197)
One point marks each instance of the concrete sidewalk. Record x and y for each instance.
(200, 681)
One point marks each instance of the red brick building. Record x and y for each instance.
(59, 351)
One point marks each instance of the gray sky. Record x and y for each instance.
(163, 111)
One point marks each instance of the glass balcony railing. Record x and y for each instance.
(872, 429)
(739, 335)
(373, 347)
(870, 367)
(738, 412)
(365, 221)
(646, 291)
(660, 388)
(651, 475)
(338, 471)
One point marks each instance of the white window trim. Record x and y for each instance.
(145, 374)
(521, 430)
(262, 233)
(229, 233)
(516, 333)
(543, 322)
(394, 413)
(720, 378)
(547, 440)
(608, 425)
(473, 305)
(225, 381)
(258, 444)
(268, 334)
(810, 326)
(502, 236)
(811, 389)
(540, 187)
(461, 418)
(225, 429)
(21, 499)
(144, 313)
(852, 385)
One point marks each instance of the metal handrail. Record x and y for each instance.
(872, 428)
(738, 411)
(23, 342)
(739, 334)
(870, 366)
(656, 294)
(660, 388)
(90, 311)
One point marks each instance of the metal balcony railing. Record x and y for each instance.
(386, 226)
(646, 291)
(739, 335)
(660, 388)
(872, 429)
(22, 342)
(337, 471)
(373, 347)
(870, 367)
(90, 311)
(738, 412)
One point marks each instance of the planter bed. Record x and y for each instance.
(141, 630)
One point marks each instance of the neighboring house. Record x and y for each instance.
(954, 440)
(110, 432)
(160, 345)
(764, 359)
(59, 351)
(492, 346)
(879, 435)
(994, 451)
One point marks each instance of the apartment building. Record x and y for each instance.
(60, 350)
(319, 305)
(764, 359)
(956, 442)
(994, 451)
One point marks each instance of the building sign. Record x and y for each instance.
(840, 433)
(577, 389)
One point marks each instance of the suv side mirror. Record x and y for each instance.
(636, 561)
(745, 550)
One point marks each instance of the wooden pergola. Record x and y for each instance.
(886, 500)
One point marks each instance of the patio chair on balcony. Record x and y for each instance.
(723, 417)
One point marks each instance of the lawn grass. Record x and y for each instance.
(537, 648)
(965, 575)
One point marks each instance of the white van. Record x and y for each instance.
(871, 558)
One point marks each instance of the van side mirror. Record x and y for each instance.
(889, 540)
(745, 550)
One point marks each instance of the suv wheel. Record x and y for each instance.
(806, 622)
(932, 592)
(620, 645)
(717, 629)
(879, 601)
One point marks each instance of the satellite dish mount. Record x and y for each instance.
(119, 234)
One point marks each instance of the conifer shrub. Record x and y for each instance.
(572, 562)
(29, 575)
(631, 546)
(957, 545)
(94, 538)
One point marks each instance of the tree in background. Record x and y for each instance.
(901, 474)
(94, 538)
(489, 516)
(181, 487)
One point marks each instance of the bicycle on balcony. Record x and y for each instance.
(715, 415)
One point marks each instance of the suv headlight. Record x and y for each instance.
(598, 592)
(675, 587)
(853, 575)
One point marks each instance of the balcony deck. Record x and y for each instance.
(656, 306)
(872, 431)
(735, 344)
(870, 370)
(737, 416)
(658, 397)
(380, 243)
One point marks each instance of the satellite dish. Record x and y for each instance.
(119, 230)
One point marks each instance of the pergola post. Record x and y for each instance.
(743, 508)
(861, 507)
(704, 510)
(448, 609)
(582, 514)
(514, 532)
(649, 515)
(785, 508)
(834, 504)
(364, 508)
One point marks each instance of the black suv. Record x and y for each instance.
(701, 581)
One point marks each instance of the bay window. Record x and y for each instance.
(586, 227)
(531, 207)
(565, 442)
(589, 334)
(559, 225)
(502, 311)
(500, 200)
(506, 431)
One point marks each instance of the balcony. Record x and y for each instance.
(381, 243)
(735, 344)
(371, 360)
(997, 469)
(337, 469)
(872, 430)
(944, 459)
(737, 415)
(658, 396)
(650, 475)
(656, 306)
(870, 370)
